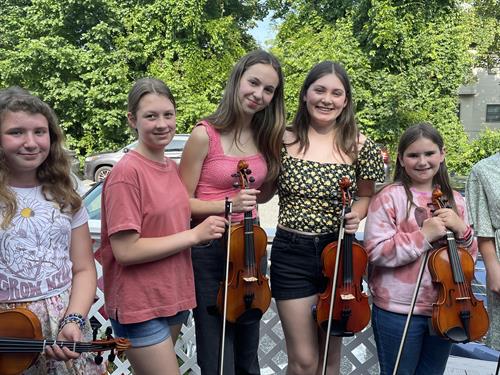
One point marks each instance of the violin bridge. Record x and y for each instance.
(250, 279)
(463, 298)
(347, 297)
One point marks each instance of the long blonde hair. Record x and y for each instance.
(268, 125)
(53, 173)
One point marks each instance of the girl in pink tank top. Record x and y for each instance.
(248, 125)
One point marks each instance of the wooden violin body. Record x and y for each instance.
(457, 314)
(21, 341)
(248, 292)
(351, 311)
(248, 296)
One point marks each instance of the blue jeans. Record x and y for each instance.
(242, 340)
(150, 332)
(423, 353)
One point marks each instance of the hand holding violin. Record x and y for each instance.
(70, 332)
(451, 220)
(433, 229)
(245, 200)
(352, 221)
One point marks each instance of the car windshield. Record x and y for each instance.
(92, 202)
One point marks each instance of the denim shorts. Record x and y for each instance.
(150, 332)
(296, 269)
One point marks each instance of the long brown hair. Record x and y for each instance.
(347, 132)
(413, 134)
(53, 173)
(268, 125)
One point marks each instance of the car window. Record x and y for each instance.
(176, 145)
(92, 202)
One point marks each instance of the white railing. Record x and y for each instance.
(359, 354)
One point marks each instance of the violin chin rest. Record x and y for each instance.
(250, 316)
(457, 334)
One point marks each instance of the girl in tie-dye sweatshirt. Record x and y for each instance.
(400, 229)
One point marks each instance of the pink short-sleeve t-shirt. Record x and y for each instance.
(147, 197)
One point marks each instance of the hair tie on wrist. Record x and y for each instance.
(73, 318)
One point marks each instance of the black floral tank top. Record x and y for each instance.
(309, 193)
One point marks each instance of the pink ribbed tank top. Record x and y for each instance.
(216, 182)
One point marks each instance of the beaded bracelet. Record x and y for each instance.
(467, 235)
(73, 318)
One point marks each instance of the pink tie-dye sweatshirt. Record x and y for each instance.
(396, 247)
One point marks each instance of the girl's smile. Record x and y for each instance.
(421, 161)
(25, 141)
(325, 100)
(257, 86)
(155, 125)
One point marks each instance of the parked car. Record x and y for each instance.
(80, 187)
(98, 166)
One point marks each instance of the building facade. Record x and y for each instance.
(480, 102)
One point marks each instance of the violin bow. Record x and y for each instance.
(228, 213)
(410, 313)
(335, 273)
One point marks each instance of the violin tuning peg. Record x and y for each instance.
(251, 179)
(235, 185)
(98, 359)
(109, 331)
(248, 171)
(235, 175)
(111, 356)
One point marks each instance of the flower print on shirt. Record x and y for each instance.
(34, 251)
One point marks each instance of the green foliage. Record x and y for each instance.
(83, 56)
(406, 61)
(486, 144)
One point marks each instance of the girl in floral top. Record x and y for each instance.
(322, 146)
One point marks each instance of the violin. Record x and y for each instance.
(457, 314)
(21, 342)
(248, 294)
(346, 259)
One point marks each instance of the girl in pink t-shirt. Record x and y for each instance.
(248, 124)
(146, 240)
(400, 229)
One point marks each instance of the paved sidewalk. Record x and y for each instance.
(467, 366)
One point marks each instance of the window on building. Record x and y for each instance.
(492, 112)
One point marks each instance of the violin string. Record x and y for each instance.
(457, 268)
(16, 344)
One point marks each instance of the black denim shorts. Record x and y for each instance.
(296, 269)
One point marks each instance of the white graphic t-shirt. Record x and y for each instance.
(34, 250)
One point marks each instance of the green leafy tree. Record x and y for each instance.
(82, 56)
(406, 60)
